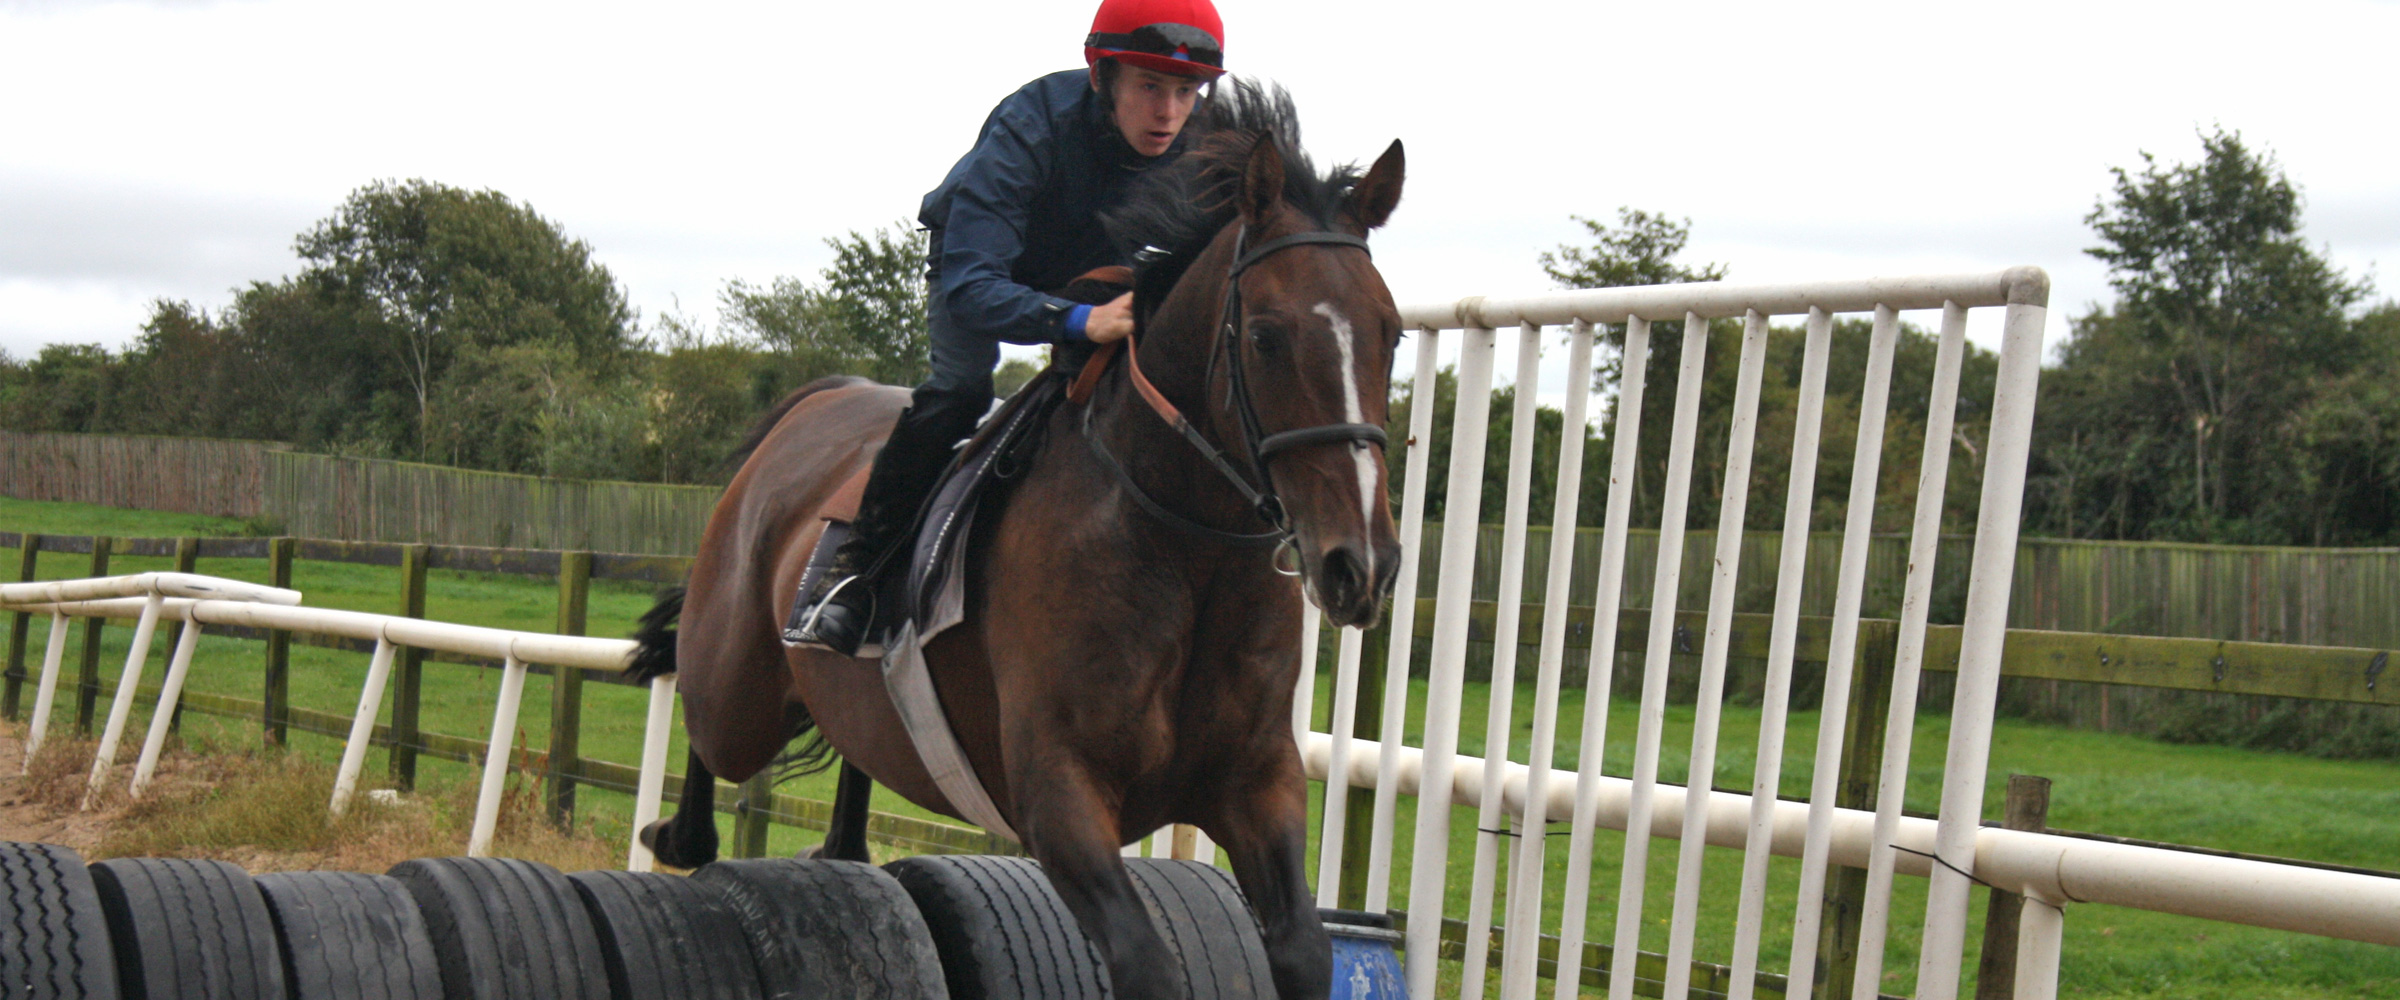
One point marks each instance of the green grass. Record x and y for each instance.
(2288, 805)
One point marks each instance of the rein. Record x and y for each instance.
(1262, 446)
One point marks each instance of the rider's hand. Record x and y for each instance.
(1111, 322)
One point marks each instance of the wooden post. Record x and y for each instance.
(87, 682)
(410, 668)
(275, 712)
(20, 630)
(187, 559)
(566, 690)
(1358, 819)
(1862, 765)
(1996, 976)
(750, 814)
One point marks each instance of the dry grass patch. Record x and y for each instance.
(266, 810)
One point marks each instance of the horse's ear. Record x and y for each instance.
(1262, 182)
(1373, 198)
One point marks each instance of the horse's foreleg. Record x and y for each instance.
(1264, 831)
(1072, 830)
(846, 836)
(688, 839)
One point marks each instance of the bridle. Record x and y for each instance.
(1263, 447)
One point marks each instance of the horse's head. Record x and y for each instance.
(1311, 333)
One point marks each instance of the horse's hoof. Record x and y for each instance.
(670, 850)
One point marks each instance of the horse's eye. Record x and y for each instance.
(1266, 338)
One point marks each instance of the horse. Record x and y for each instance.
(1131, 642)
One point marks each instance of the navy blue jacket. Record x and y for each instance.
(1021, 212)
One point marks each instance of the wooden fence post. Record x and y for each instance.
(275, 712)
(1862, 764)
(1358, 819)
(751, 813)
(20, 630)
(87, 682)
(566, 690)
(2028, 808)
(411, 671)
(187, 560)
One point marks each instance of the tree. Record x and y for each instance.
(442, 269)
(867, 316)
(2196, 406)
(2215, 283)
(1640, 250)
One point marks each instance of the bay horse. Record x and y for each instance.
(1125, 663)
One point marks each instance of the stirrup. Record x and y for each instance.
(806, 632)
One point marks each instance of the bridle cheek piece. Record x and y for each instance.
(1263, 447)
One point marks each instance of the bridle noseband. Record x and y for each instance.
(1262, 446)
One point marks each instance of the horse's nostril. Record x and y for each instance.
(1345, 576)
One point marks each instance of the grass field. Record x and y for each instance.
(2338, 811)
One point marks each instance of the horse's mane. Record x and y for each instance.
(1181, 207)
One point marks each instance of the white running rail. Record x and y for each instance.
(2050, 870)
(152, 597)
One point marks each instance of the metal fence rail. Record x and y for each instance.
(1529, 796)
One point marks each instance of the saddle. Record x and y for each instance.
(1002, 448)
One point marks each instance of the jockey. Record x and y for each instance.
(1018, 214)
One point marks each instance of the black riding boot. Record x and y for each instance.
(842, 611)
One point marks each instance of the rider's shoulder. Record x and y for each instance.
(1046, 99)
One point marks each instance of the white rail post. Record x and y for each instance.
(1304, 693)
(650, 788)
(170, 693)
(362, 726)
(1430, 871)
(1330, 839)
(1634, 875)
(1519, 952)
(120, 707)
(46, 693)
(1699, 786)
(1842, 644)
(1766, 774)
(2041, 932)
(1980, 639)
(495, 758)
(1501, 705)
(1392, 730)
(1600, 667)
(1900, 717)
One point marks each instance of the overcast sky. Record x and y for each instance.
(174, 148)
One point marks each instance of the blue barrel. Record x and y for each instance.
(1366, 956)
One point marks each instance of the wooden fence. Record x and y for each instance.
(186, 475)
(384, 501)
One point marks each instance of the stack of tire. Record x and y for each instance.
(923, 928)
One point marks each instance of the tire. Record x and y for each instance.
(54, 946)
(1004, 934)
(188, 930)
(830, 929)
(668, 936)
(1201, 913)
(351, 935)
(504, 929)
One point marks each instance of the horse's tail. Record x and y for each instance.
(654, 642)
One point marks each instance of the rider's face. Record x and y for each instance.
(1152, 107)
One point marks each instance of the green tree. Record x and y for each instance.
(864, 316)
(2172, 413)
(443, 269)
(1639, 250)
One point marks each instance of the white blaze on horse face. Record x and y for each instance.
(1352, 413)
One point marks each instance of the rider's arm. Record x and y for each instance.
(991, 198)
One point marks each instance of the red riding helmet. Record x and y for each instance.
(1183, 37)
